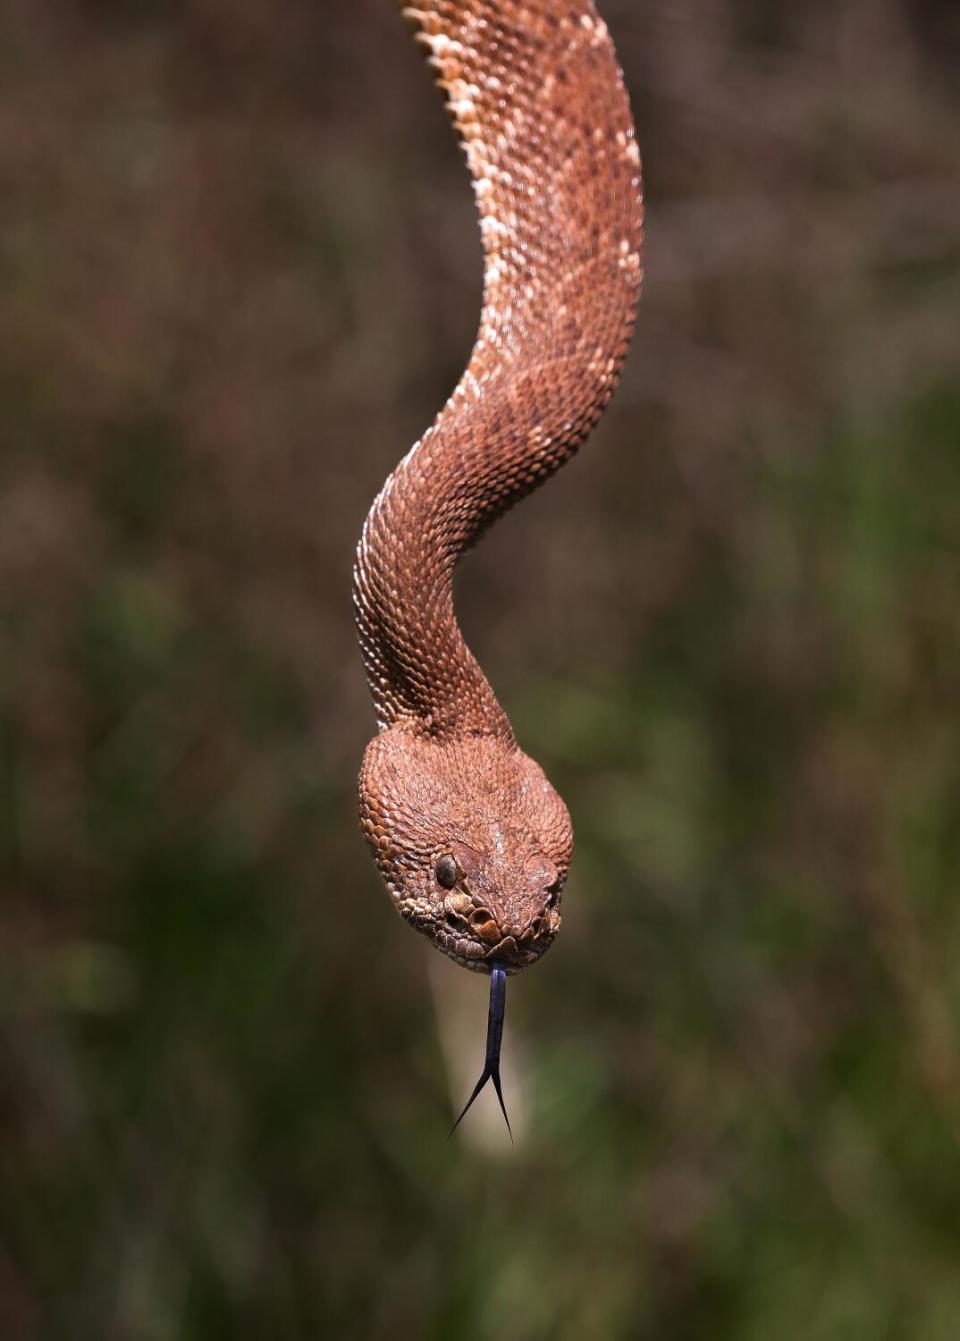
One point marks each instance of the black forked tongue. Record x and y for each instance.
(491, 1063)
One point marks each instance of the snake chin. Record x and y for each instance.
(472, 841)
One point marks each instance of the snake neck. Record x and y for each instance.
(537, 99)
(420, 670)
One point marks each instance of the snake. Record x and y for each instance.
(472, 841)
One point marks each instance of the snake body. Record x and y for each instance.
(473, 842)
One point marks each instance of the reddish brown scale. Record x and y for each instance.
(537, 98)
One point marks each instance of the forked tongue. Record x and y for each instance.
(491, 1062)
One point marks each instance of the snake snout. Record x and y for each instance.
(480, 930)
(493, 930)
(521, 942)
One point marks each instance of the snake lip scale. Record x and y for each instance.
(471, 839)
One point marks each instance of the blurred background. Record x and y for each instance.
(240, 272)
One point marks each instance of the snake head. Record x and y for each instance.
(472, 841)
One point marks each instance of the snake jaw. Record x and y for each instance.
(470, 954)
(478, 947)
(467, 948)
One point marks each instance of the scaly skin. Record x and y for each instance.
(537, 99)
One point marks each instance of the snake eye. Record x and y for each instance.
(446, 872)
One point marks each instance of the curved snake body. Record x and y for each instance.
(473, 842)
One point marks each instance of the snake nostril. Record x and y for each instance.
(484, 925)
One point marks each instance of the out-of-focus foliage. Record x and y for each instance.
(240, 273)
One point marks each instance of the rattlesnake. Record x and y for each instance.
(471, 839)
